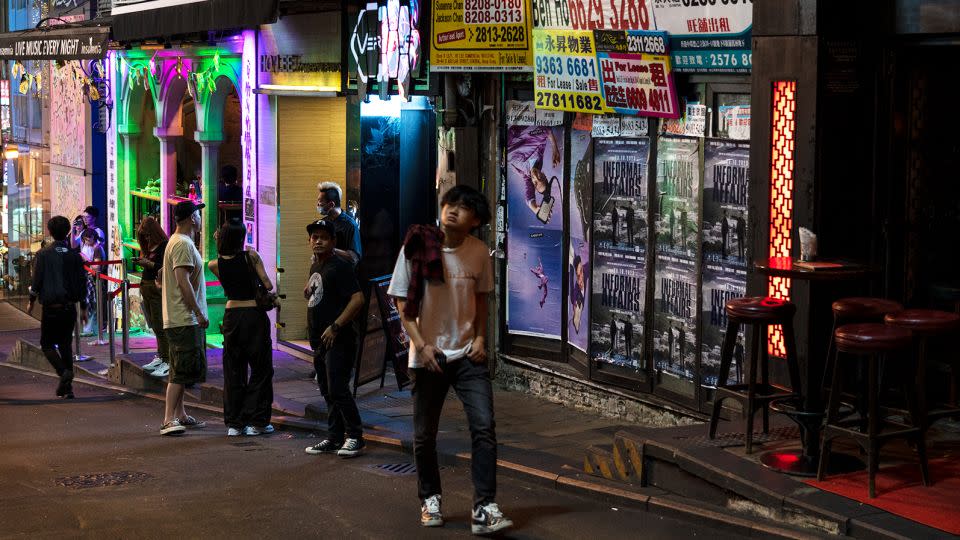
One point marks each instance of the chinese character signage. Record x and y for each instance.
(707, 39)
(481, 35)
(566, 77)
(635, 69)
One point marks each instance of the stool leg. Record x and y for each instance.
(921, 384)
(793, 363)
(831, 356)
(726, 357)
(752, 382)
(765, 381)
(832, 408)
(873, 425)
(918, 415)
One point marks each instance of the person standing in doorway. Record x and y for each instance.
(333, 302)
(329, 198)
(153, 242)
(92, 252)
(59, 282)
(247, 403)
(440, 283)
(184, 316)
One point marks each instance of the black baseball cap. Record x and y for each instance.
(322, 225)
(185, 209)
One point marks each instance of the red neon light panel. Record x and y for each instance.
(783, 135)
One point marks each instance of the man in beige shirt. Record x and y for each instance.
(184, 316)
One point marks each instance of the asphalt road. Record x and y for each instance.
(205, 485)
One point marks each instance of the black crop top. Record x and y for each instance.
(236, 277)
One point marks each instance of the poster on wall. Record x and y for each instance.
(535, 233)
(68, 116)
(636, 75)
(726, 177)
(68, 196)
(566, 77)
(711, 38)
(475, 35)
(677, 254)
(593, 14)
(579, 257)
(619, 258)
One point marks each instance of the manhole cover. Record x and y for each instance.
(83, 481)
(394, 469)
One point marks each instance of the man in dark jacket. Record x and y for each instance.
(59, 282)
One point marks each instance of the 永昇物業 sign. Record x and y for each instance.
(566, 76)
(481, 35)
(636, 73)
(712, 38)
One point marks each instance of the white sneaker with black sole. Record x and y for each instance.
(234, 432)
(488, 519)
(351, 448)
(430, 515)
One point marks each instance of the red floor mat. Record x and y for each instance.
(900, 492)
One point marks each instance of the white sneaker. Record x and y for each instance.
(489, 519)
(162, 370)
(267, 429)
(154, 364)
(430, 515)
(233, 432)
(251, 431)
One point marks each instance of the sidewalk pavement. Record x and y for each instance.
(530, 431)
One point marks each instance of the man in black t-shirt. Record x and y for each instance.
(333, 301)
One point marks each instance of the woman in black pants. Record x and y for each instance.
(246, 335)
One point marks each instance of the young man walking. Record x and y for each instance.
(60, 283)
(184, 316)
(440, 283)
(333, 301)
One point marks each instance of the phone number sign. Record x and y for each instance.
(481, 35)
(636, 74)
(566, 75)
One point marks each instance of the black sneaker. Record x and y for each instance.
(325, 446)
(66, 384)
(488, 518)
(351, 448)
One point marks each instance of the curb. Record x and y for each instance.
(568, 479)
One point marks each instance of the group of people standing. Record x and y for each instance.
(440, 283)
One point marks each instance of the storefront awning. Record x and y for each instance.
(75, 43)
(135, 20)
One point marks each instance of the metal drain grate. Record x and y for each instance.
(739, 439)
(394, 469)
(84, 481)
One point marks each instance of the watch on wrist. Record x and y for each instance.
(335, 327)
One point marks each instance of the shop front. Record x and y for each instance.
(358, 115)
(625, 192)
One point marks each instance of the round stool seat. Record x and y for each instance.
(760, 308)
(864, 308)
(870, 338)
(924, 321)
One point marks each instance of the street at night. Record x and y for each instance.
(206, 485)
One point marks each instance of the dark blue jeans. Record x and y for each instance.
(471, 382)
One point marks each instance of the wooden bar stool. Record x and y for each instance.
(758, 312)
(855, 310)
(925, 324)
(870, 340)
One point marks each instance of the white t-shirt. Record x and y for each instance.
(181, 252)
(447, 309)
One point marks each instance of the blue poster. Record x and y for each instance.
(535, 230)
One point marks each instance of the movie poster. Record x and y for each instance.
(535, 230)
(726, 180)
(677, 254)
(620, 236)
(578, 263)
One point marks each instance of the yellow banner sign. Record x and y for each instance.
(481, 35)
(566, 76)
